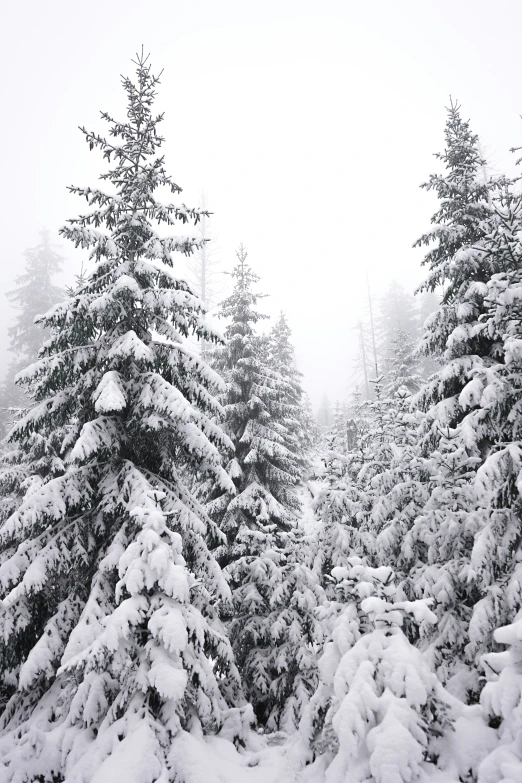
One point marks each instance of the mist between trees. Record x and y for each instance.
(201, 580)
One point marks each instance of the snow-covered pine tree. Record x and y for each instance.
(310, 426)
(353, 482)
(402, 365)
(340, 534)
(336, 437)
(440, 543)
(80, 280)
(34, 295)
(23, 468)
(457, 261)
(355, 418)
(270, 626)
(109, 630)
(392, 484)
(293, 414)
(263, 470)
(396, 312)
(288, 646)
(369, 518)
(453, 430)
(392, 477)
(493, 399)
(338, 508)
(351, 580)
(379, 715)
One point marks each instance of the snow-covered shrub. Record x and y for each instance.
(380, 714)
(501, 701)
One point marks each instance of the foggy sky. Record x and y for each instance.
(309, 126)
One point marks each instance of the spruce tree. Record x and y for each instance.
(379, 712)
(492, 398)
(263, 470)
(34, 295)
(258, 516)
(294, 415)
(402, 365)
(454, 435)
(336, 436)
(310, 427)
(460, 264)
(416, 514)
(397, 312)
(338, 508)
(441, 542)
(394, 481)
(111, 642)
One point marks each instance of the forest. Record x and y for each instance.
(201, 578)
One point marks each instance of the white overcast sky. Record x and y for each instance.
(309, 125)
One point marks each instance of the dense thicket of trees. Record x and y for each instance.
(185, 552)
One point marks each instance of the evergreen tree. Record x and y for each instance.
(294, 418)
(402, 367)
(379, 712)
(373, 518)
(357, 483)
(288, 652)
(263, 470)
(397, 313)
(258, 514)
(441, 541)
(33, 296)
(460, 264)
(310, 427)
(340, 536)
(80, 280)
(419, 514)
(338, 508)
(336, 436)
(395, 486)
(111, 641)
(453, 433)
(492, 398)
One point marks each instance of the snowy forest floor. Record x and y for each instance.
(270, 759)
